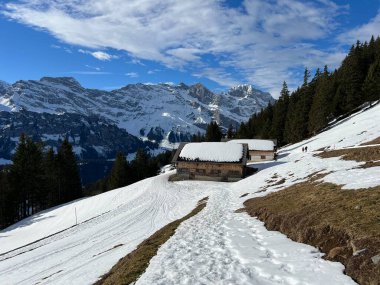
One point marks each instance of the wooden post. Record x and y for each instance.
(76, 218)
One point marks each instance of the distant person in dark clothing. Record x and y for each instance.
(305, 148)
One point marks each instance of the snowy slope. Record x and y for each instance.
(80, 254)
(217, 246)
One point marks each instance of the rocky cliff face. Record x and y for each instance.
(91, 137)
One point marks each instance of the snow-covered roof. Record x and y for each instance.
(256, 144)
(212, 151)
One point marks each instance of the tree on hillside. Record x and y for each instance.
(119, 173)
(243, 132)
(141, 167)
(69, 183)
(8, 201)
(351, 76)
(26, 176)
(306, 76)
(371, 86)
(51, 178)
(230, 132)
(213, 133)
(279, 115)
(198, 137)
(321, 111)
(290, 135)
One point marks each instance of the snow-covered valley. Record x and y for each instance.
(217, 246)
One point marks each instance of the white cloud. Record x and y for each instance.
(218, 75)
(66, 49)
(136, 61)
(93, 67)
(132, 74)
(103, 56)
(153, 71)
(259, 42)
(363, 32)
(90, 72)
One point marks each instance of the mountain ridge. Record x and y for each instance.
(136, 107)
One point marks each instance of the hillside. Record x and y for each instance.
(218, 245)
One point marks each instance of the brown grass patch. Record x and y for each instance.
(362, 154)
(375, 141)
(279, 182)
(369, 164)
(338, 222)
(132, 266)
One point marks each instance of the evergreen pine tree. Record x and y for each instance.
(140, 167)
(371, 86)
(213, 133)
(69, 184)
(230, 132)
(119, 173)
(320, 111)
(242, 132)
(306, 76)
(26, 176)
(279, 115)
(51, 178)
(290, 131)
(8, 201)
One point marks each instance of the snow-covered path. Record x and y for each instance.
(219, 246)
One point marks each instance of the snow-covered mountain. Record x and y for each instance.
(99, 123)
(216, 246)
(154, 111)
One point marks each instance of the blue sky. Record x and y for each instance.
(109, 44)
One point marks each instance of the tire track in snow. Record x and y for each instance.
(69, 256)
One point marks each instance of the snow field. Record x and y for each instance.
(83, 253)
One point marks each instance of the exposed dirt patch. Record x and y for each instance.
(321, 149)
(375, 141)
(370, 164)
(279, 182)
(273, 182)
(362, 154)
(115, 246)
(132, 266)
(343, 224)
